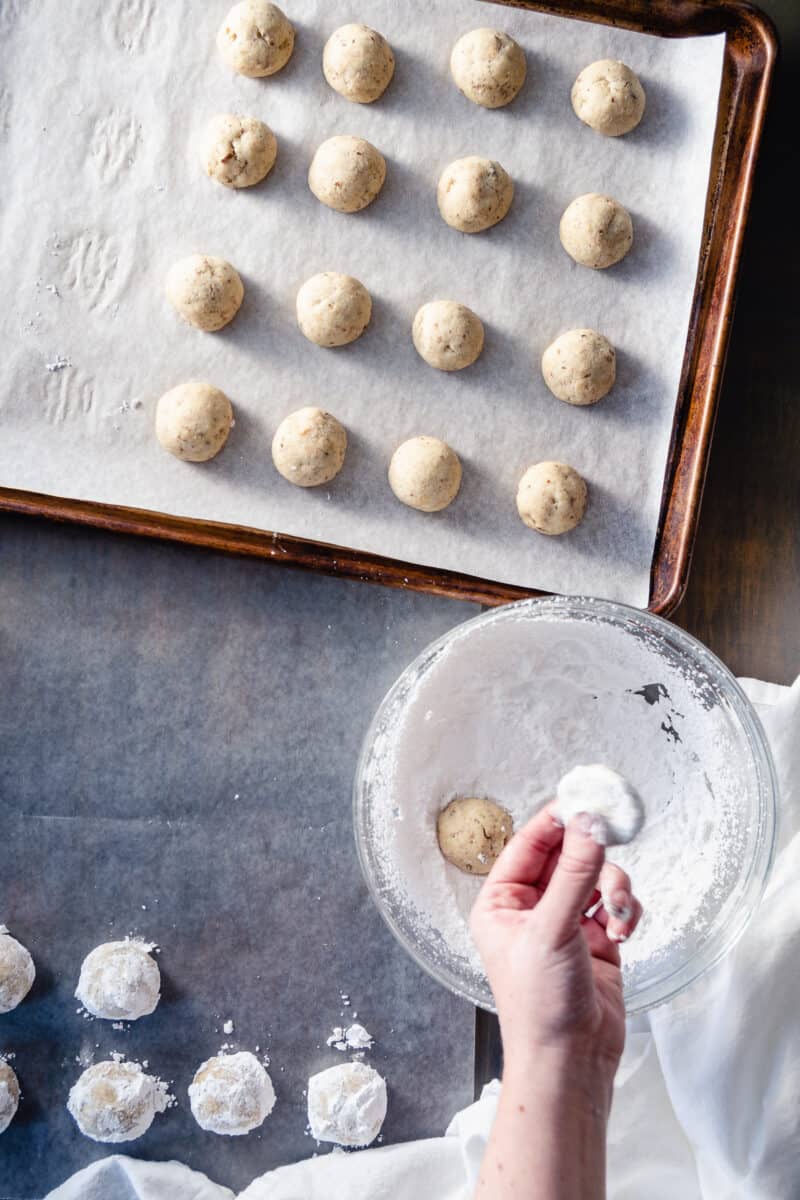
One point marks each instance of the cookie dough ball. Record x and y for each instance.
(237, 151)
(474, 194)
(358, 63)
(17, 971)
(120, 981)
(309, 447)
(488, 67)
(347, 173)
(614, 803)
(333, 309)
(9, 1095)
(551, 498)
(207, 292)
(580, 366)
(596, 231)
(255, 39)
(193, 421)
(116, 1101)
(231, 1094)
(425, 474)
(472, 833)
(608, 97)
(448, 335)
(347, 1104)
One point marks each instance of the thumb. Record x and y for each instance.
(573, 881)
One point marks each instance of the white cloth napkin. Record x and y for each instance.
(707, 1098)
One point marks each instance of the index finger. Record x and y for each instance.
(524, 858)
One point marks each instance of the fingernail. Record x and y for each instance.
(618, 906)
(583, 822)
(617, 937)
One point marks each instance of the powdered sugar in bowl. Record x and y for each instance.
(501, 707)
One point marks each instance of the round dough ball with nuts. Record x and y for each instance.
(347, 173)
(17, 971)
(474, 194)
(309, 447)
(120, 981)
(333, 309)
(206, 291)
(231, 1094)
(596, 231)
(608, 97)
(237, 151)
(488, 67)
(448, 335)
(9, 1095)
(358, 63)
(425, 474)
(116, 1101)
(255, 39)
(472, 832)
(193, 421)
(551, 498)
(580, 366)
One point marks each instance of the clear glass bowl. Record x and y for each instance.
(564, 672)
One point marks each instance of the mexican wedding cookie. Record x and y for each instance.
(347, 173)
(116, 1101)
(580, 366)
(237, 151)
(448, 335)
(358, 63)
(488, 67)
(193, 421)
(472, 832)
(551, 498)
(614, 803)
(231, 1094)
(425, 474)
(255, 39)
(309, 447)
(596, 231)
(207, 292)
(120, 981)
(474, 194)
(608, 97)
(17, 971)
(9, 1095)
(333, 309)
(347, 1104)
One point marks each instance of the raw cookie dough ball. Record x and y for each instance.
(115, 1101)
(580, 366)
(207, 292)
(425, 474)
(596, 231)
(9, 1095)
(255, 39)
(17, 971)
(474, 194)
(472, 833)
(614, 803)
(193, 421)
(309, 447)
(231, 1094)
(120, 981)
(608, 97)
(333, 309)
(448, 335)
(347, 1104)
(358, 63)
(551, 498)
(347, 173)
(488, 67)
(237, 151)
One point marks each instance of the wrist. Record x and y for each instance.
(574, 1074)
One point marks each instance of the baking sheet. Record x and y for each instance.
(103, 193)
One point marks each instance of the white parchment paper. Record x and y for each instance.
(101, 193)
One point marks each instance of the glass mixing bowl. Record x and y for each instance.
(504, 704)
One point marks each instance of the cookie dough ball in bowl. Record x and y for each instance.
(551, 498)
(231, 1094)
(448, 335)
(347, 173)
(472, 832)
(358, 63)
(116, 1101)
(608, 97)
(309, 447)
(193, 421)
(9, 1095)
(596, 231)
(347, 1104)
(580, 366)
(237, 151)
(614, 803)
(17, 971)
(120, 981)
(474, 194)
(488, 67)
(255, 39)
(207, 292)
(425, 474)
(333, 309)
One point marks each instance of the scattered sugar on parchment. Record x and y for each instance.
(59, 363)
(227, 1027)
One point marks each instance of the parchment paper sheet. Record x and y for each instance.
(102, 193)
